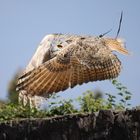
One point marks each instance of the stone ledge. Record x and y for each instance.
(105, 125)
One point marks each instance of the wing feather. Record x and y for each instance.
(31, 77)
(78, 63)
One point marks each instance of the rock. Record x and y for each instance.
(106, 125)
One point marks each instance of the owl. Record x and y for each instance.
(64, 61)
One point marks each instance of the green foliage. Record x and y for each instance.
(61, 108)
(15, 111)
(111, 101)
(89, 102)
(2, 103)
(124, 97)
(12, 93)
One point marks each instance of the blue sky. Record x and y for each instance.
(24, 23)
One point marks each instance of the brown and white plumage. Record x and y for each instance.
(63, 61)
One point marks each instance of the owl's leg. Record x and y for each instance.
(38, 101)
(22, 98)
(33, 101)
(25, 99)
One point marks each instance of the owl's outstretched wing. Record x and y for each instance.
(79, 63)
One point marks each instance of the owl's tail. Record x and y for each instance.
(116, 45)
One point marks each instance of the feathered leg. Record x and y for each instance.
(22, 98)
(25, 99)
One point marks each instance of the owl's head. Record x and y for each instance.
(54, 43)
(47, 49)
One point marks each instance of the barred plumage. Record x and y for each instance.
(63, 61)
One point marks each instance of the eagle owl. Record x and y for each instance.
(63, 61)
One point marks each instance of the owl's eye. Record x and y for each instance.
(59, 46)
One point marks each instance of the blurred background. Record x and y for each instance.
(23, 24)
